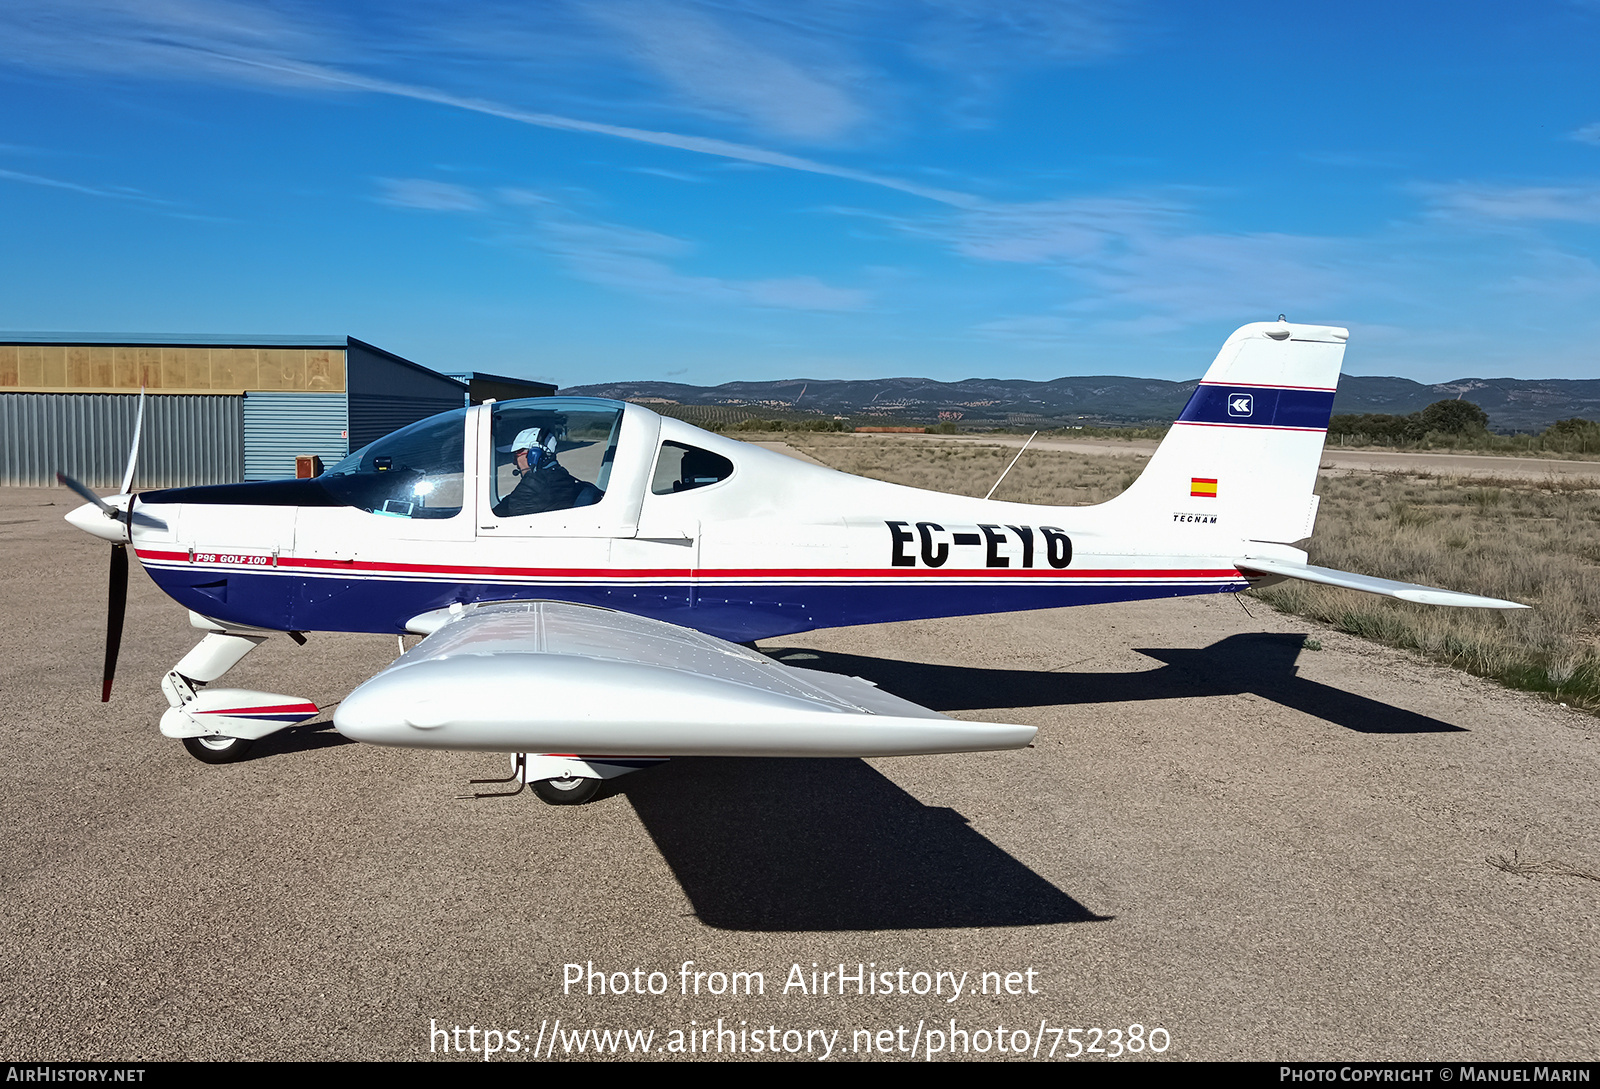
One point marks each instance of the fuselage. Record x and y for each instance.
(672, 522)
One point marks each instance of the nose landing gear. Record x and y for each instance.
(216, 749)
(221, 725)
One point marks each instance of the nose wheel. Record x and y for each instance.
(217, 749)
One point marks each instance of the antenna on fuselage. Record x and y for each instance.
(1014, 460)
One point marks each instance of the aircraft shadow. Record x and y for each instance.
(821, 845)
(306, 737)
(1262, 663)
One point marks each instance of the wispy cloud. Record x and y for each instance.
(814, 74)
(181, 39)
(1572, 204)
(1032, 330)
(217, 40)
(658, 172)
(1589, 134)
(710, 63)
(1182, 280)
(1556, 276)
(700, 144)
(1143, 257)
(614, 255)
(801, 293)
(823, 71)
(88, 190)
(1474, 257)
(433, 196)
(1071, 230)
(640, 262)
(983, 45)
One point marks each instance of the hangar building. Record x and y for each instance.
(482, 387)
(220, 408)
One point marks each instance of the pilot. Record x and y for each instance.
(544, 485)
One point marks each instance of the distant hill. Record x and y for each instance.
(1513, 404)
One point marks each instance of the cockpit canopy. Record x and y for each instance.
(415, 472)
(547, 454)
(551, 454)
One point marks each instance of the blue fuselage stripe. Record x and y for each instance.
(736, 611)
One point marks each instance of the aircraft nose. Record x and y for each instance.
(91, 519)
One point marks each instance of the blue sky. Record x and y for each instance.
(587, 190)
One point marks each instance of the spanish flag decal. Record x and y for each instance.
(1206, 489)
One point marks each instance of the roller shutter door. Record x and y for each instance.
(279, 427)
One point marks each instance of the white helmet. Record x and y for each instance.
(540, 442)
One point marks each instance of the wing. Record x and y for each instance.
(549, 676)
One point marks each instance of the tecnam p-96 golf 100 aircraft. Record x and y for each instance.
(584, 572)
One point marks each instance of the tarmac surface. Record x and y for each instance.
(1262, 849)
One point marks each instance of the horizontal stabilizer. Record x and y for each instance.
(553, 677)
(1405, 591)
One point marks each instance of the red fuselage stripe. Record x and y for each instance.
(712, 573)
(282, 709)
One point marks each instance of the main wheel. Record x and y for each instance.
(573, 790)
(217, 749)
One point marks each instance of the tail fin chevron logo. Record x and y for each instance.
(1202, 488)
(1241, 404)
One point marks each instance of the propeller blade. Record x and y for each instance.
(116, 607)
(133, 452)
(83, 491)
(129, 516)
(148, 520)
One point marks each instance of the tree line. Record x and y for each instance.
(1459, 422)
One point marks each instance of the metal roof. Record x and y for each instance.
(468, 376)
(187, 340)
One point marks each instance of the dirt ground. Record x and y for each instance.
(1438, 464)
(1261, 849)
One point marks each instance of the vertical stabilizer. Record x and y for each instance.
(1247, 445)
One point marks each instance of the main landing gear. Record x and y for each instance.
(564, 780)
(572, 790)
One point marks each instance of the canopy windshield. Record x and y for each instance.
(415, 472)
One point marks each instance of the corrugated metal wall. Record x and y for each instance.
(373, 417)
(387, 393)
(279, 427)
(187, 439)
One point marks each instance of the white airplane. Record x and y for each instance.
(584, 572)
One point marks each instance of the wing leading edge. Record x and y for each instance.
(550, 676)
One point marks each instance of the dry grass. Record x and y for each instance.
(1552, 447)
(1530, 541)
(1054, 477)
(1518, 866)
